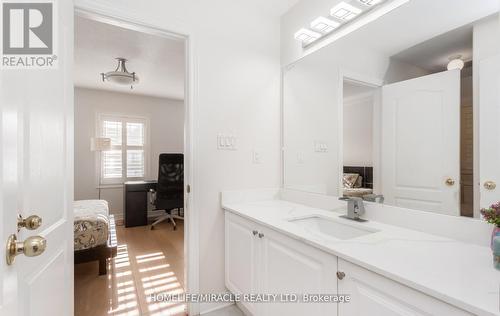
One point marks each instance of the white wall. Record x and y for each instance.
(308, 113)
(166, 118)
(238, 81)
(358, 131)
(485, 45)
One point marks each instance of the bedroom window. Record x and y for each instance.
(129, 149)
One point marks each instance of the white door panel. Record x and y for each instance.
(36, 178)
(489, 131)
(420, 146)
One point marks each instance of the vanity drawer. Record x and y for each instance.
(375, 295)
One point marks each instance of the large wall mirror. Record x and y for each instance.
(407, 106)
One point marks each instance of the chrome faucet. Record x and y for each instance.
(374, 198)
(355, 208)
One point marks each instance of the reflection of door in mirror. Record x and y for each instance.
(433, 165)
(420, 151)
(358, 106)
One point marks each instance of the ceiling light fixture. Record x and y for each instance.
(456, 62)
(370, 3)
(306, 36)
(121, 75)
(344, 11)
(324, 25)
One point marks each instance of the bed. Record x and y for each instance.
(94, 233)
(353, 185)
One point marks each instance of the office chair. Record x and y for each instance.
(169, 193)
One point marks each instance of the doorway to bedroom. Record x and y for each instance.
(129, 169)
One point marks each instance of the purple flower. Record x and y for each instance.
(492, 214)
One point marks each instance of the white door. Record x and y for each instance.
(36, 177)
(489, 131)
(420, 143)
(291, 267)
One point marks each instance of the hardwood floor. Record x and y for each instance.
(148, 261)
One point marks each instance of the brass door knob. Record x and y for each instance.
(31, 247)
(30, 223)
(490, 185)
(450, 182)
(340, 275)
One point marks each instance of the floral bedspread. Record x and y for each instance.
(91, 227)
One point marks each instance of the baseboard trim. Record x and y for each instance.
(213, 309)
(120, 218)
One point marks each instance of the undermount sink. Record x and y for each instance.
(331, 227)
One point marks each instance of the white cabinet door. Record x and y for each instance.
(374, 295)
(489, 130)
(420, 147)
(292, 267)
(36, 168)
(241, 260)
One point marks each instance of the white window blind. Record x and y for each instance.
(127, 158)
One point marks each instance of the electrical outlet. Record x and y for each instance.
(256, 157)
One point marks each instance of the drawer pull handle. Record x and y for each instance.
(261, 235)
(254, 232)
(340, 275)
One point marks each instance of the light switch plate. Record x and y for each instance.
(320, 147)
(300, 158)
(226, 142)
(256, 157)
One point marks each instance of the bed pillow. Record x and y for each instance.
(349, 180)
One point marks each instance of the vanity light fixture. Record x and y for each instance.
(306, 36)
(324, 25)
(456, 62)
(370, 3)
(344, 11)
(349, 17)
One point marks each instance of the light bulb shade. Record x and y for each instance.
(324, 25)
(100, 144)
(306, 36)
(456, 64)
(121, 75)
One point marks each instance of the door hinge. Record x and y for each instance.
(188, 188)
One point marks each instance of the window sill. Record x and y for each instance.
(110, 186)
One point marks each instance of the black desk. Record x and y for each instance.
(135, 196)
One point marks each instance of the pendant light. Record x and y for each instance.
(121, 75)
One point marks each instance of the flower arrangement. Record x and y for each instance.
(492, 214)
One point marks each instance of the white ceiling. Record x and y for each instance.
(158, 61)
(274, 7)
(433, 55)
(418, 21)
(352, 89)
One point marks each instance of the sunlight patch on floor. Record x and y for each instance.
(156, 278)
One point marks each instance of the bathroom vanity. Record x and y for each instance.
(405, 109)
(277, 246)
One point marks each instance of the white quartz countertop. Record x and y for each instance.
(455, 272)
